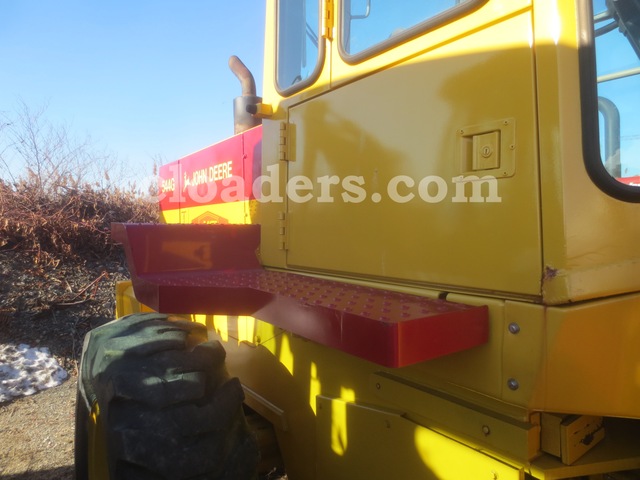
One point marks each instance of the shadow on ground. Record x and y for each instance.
(62, 473)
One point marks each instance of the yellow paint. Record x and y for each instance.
(339, 434)
(450, 460)
(592, 358)
(221, 326)
(230, 212)
(286, 355)
(315, 386)
(97, 449)
(126, 302)
(246, 329)
(383, 444)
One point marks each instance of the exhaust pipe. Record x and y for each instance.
(242, 119)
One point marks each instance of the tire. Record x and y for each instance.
(167, 404)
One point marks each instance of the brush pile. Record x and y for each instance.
(58, 264)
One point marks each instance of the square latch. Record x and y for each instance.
(486, 151)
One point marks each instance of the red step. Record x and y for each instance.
(214, 269)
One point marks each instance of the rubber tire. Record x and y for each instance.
(168, 406)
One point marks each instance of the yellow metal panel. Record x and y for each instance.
(271, 205)
(412, 224)
(98, 468)
(170, 216)
(126, 302)
(591, 241)
(440, 411)
(381, 444)
(523, 354)
(231, 212)
(284, 398)
(592, 358)
(288, 373)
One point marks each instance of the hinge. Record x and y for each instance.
(328, 19)
(283, 145)
(282, 230)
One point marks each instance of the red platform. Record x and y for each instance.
(214, 269)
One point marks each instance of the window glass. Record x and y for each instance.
(299, 45)
(367, 23)
(617, 47)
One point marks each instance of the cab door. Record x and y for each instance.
(415, 160)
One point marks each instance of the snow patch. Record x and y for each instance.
(25, 371)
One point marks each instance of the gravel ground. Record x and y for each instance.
(36, 442)
(49, 306)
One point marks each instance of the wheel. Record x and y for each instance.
(166, 404)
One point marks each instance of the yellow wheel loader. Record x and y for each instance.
(417, 258)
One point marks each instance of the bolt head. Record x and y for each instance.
(513, 384)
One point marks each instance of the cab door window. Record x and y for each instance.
(300, 47)
(369, 26)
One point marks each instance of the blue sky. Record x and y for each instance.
(143, 78)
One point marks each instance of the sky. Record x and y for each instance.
(144, 79)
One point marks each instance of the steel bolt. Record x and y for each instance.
(513, 384)
(514, 328)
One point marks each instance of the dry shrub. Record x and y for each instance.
(67, 222)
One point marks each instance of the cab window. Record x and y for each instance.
(614, 163)
(369, 26)
(300, 48)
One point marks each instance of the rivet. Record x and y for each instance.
(514, 328)
(513, 384)
(378, 386)
(486, 431)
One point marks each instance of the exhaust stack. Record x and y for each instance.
(242, 119)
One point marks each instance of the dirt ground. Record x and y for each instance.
(49, 306)
(36, 439)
